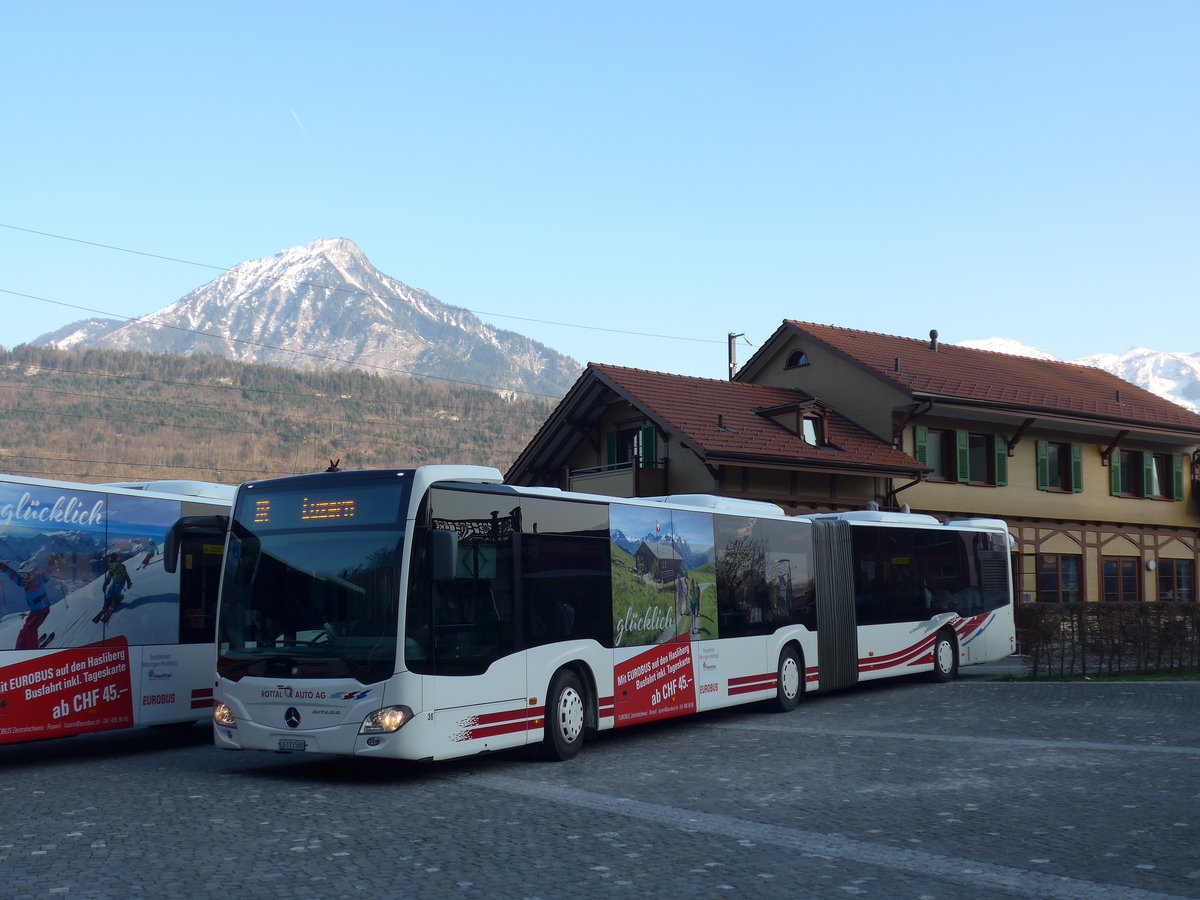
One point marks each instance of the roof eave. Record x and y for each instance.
(1057, 413)
(796, 463)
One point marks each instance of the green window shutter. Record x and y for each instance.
(612, 448)
(1114, 473)
(920, 442)
(649, 447)
(962, 468)
(1147, 474)
(1077, 468)
(1043, 466)
(1177, 477)
(1001, 447)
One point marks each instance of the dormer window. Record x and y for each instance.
(811, 430)
(805, 419)
(796, 359)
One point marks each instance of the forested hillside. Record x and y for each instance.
(105, 415)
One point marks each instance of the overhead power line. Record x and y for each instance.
(477, 312)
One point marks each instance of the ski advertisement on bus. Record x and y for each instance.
(82, 592)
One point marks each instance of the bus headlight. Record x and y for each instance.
(223, 716)
(386, 720)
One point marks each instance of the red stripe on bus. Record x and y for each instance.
(743, 679)
(507, 715)
(749, 684)
(507, 722)
(508, 728)
(900, 657)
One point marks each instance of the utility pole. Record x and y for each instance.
(733, 353)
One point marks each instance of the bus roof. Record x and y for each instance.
(204, 489)
(725, 504)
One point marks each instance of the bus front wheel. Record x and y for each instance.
(945, 657)
(565, 715)
(790, 680)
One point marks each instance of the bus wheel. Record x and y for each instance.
(564, 716)
(790, 680)
(945, 657)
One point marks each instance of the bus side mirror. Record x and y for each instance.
(207, 526)
(171, 549)
(443, 554)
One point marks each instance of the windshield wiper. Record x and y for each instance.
(324, 643)
(230, 666)
(362, 673)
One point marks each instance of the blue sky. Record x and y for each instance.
(685, 170)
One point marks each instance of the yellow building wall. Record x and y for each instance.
(1021, 497)
(1091, 524)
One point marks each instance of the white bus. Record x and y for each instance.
(435, 612)
(98, 630)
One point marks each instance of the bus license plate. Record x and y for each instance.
(292, 744)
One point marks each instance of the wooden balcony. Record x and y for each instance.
(624, 479)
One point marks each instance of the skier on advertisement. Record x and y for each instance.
(34, 582)
(116, 582)
(151, 550)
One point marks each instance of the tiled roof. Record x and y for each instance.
(998, 378)
(716, 419)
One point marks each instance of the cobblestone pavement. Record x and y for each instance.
(979, 789)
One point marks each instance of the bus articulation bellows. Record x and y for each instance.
(435, 612)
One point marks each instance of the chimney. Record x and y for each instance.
(933, 342)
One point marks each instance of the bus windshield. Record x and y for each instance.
(312, 579)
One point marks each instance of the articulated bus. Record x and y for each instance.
(99, 628)
(435, 612)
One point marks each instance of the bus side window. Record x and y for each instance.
(471, 617)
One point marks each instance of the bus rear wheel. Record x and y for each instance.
(945, 657)
(790, 680)
(565, 716)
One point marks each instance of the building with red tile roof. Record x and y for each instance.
(630, 432)
(1096, 476)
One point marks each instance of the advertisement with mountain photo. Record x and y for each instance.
(665, 596)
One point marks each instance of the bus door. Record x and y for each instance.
(199, 579)
(177, 679)
(985, 598)
(462, 629)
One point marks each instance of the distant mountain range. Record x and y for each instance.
(325, 305)
(692, 558)
(1173, 376)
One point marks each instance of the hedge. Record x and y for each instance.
(1065, 639)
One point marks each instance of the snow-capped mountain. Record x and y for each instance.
(1175, 376)
(325, 305)
(692, 558)
(1009, 346)
(1172, 376)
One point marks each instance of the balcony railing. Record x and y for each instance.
(629, 478)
